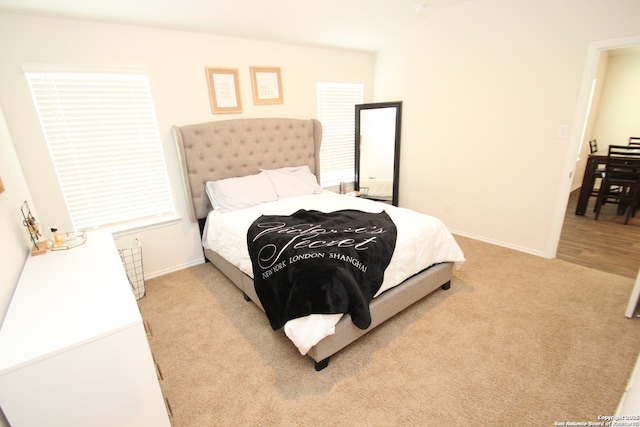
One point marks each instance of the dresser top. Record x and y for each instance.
(67, 298)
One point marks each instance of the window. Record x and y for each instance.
(103, 138)
(336, 112)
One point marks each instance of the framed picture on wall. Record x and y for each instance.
(267, 85)
(224, 91)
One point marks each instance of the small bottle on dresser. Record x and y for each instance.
(57, 240)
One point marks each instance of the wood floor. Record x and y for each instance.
(606, 244)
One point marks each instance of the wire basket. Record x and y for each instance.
(132, 261)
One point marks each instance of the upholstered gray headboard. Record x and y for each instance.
(231, 148)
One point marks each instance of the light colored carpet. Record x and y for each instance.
(517, 340)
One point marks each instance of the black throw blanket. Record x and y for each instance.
(315, 262)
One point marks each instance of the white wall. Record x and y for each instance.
(14, 241)
(15, 245)
(176, 64)
(486, 84)
(376, 143)
(592, 111)
(618, 115)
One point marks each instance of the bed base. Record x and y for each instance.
(382, 308)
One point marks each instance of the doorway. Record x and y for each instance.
(585, 230)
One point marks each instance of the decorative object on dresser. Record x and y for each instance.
(74, 348)
(64, 241)
(252, 176)
(33, 228)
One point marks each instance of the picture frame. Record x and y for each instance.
(267, 85)
(224, 90)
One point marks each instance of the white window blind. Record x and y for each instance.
(336, 112)
(103, 138)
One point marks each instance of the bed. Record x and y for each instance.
(226, 150)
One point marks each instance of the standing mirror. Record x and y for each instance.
(378, 150)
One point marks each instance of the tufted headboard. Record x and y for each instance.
(232, 148)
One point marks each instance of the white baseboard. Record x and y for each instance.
(172, 269)
(499, 243)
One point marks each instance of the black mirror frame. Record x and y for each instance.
(396, 151)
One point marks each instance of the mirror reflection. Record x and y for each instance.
(377, 150)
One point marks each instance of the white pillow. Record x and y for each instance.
(293, 181)
(238, 193)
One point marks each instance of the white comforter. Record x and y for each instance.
(422, 241)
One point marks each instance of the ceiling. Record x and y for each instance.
(351, 24)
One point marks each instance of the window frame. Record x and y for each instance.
(336, 103)
(99, 138)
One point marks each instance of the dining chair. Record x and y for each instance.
(600, 170)
(635, 141)
(621, 182)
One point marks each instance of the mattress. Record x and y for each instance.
(422, 241)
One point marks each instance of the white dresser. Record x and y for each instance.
(73, 349)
